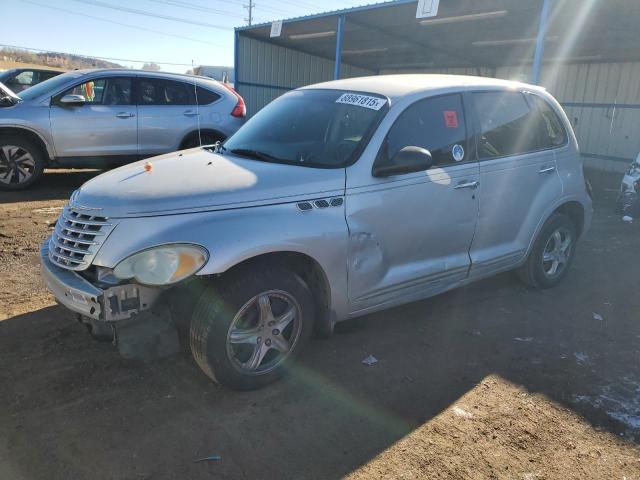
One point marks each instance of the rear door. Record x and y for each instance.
(104, 126)
(167, 113)
(518, 178)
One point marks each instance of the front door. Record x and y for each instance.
(409, 235)
(105, 125)
(518, 178)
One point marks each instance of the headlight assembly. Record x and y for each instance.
(163, 265)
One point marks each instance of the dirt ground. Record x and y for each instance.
(490, 381)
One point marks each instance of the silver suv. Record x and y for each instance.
(334, 201)
(103, 118)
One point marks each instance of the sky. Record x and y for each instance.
(132, 29)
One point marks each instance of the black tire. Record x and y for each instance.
(223, 302)
(535, 271)
(13, 182)
(193, 140)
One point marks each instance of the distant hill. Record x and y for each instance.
(52, 59)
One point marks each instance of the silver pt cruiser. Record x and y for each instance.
(334, 201)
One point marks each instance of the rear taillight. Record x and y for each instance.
(240, 110)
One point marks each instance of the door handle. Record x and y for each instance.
(464, 184)
(547, 169)
(125, 115)
(190, 113)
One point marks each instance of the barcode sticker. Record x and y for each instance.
(374, 103)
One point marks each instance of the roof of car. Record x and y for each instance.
(394, 86)
(35, 69)
(128, 71)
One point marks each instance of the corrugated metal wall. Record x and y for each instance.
(475, 71)
(266, 71)
(602, 99)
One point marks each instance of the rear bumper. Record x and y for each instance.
(82, 297)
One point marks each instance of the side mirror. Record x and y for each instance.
(7, 102)
(407, 160)
(73, 100)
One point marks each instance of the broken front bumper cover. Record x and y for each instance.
(80, 296)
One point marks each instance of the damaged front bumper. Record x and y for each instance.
(115, 303)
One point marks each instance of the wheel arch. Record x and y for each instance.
(194, 134)
(30, 135)
(309, 269)
(576, 212)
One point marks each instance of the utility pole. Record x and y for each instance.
(250, 8)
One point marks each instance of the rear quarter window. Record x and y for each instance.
(205, 96)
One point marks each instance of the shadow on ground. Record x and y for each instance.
(55, 185)
(73, 409)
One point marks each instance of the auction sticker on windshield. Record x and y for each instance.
(374, 103)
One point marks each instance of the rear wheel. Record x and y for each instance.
(245, 334)
(552, 254)
(21, 163)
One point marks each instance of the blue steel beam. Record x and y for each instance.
(339, 35)
(236, 73)
(542, 31)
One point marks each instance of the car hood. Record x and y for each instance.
(198, 180)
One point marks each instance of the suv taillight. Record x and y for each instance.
(240, 110)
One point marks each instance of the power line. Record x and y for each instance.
(150, 14)
(124, 24)
(92, 57)
(199, 8)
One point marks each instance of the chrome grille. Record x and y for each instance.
(77, 237)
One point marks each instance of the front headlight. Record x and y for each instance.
(162, 265)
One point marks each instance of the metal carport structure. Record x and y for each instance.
(585, 52)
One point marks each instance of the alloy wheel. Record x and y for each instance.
(17, 165)
(264, 332)
(557, 252)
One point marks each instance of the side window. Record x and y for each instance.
(22, 81)
(508, 126)
(46, 76)
(156, 91)
(435, 124)
(552, 132)
(206, 97)
(103, 91)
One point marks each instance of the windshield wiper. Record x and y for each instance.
(247, 152)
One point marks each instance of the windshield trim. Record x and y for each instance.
(355, 155)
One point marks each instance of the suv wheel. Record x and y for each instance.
(244, 334)
(552, 253)
(21, 163)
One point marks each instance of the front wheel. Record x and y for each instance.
(21, 163)
(552, 253)
(246, 332)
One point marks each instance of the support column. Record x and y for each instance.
(542, 31)
(236, 44)
(339, 34)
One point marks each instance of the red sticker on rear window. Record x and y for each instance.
(451, 119)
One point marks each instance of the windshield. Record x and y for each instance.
(312, 128)
(48, 85)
